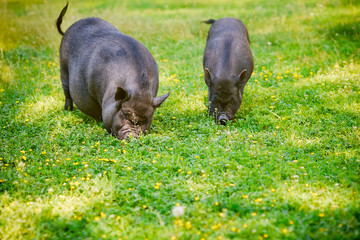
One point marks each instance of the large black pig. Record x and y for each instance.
(228, 64)
(109, 76)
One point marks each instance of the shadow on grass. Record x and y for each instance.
(94, 220)
(344, 31)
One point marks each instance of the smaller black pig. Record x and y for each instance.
(228, 64)
(109, 76)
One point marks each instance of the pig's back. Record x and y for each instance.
(120, 61)
(82, 35)
(99, 58)
(228, 48)
(99, 54)
(225, 26)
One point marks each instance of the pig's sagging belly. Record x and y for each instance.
(83, 99)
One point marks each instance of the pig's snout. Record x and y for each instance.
(223, 119)
(128, 134)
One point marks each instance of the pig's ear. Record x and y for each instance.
(241, 79)
(208, 77)
(159, 100)
(122, 95)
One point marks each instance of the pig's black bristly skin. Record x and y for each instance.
(109, 76)
(228, 64)
(60, 18)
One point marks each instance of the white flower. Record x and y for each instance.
(21, 164)
(178, 211)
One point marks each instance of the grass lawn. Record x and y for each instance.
(286, 168)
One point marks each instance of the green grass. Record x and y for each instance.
(287, 167)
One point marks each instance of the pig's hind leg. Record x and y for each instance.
(64, 73)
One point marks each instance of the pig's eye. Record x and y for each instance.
(128, 116)
(139, 121)
(132, 117)
(142, 122)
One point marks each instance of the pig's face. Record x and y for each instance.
(225, 96)
(135, 114)
(132, 120)
(224, 101)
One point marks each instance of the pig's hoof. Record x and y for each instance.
(68, 104)
(68, 107)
